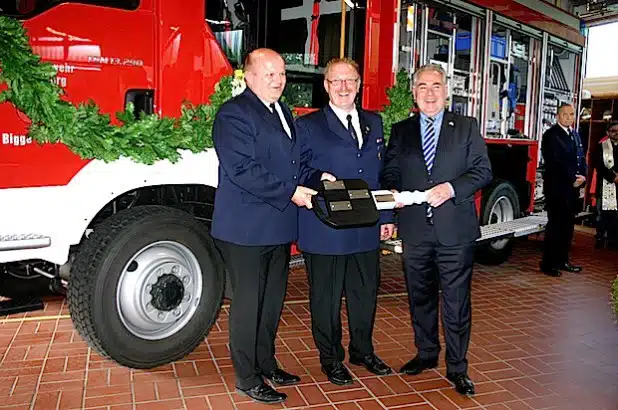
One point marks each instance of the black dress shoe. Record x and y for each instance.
(281, 377)
(570, 268)
(417, 365)
(337, 373)
(372, 363)
(263, 393)
(463, 384)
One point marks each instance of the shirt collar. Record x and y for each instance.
(437, 117)
(342, 114)
(567, 130)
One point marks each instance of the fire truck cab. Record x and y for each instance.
(145, 282)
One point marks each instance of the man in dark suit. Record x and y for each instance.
(347, 142)
(564, 174)
(256, 218)
(443, 154)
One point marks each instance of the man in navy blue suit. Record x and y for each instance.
(256, 218)
(564, 174)
(443, 154)
(347, 142)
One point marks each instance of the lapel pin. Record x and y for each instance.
(367, 129)
(451, 123)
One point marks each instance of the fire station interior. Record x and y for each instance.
(537, 342)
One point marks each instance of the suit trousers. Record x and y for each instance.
(259, 279)
(559, 231)
(329, 276)
(428, 267)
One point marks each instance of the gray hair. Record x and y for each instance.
(434, 68)
(564, 105)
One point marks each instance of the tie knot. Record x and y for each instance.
(272, 107)
(429, 120)
(349, 117)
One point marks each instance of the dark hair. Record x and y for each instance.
(612, 125)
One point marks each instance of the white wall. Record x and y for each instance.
(602, 61)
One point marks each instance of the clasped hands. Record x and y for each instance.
(302, 195)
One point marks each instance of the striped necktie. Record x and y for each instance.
(429, 150)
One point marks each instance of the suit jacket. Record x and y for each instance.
(259, 169)
(563, 160)
(328, 146)
(461, 159)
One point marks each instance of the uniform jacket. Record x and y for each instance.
(328, 146)
(259, 169)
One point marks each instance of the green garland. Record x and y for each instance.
(401, 101)
(82, 128)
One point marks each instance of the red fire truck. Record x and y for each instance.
(144, 280)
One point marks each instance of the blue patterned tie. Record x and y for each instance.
(429, 150)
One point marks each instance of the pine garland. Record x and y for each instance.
(401, 101)
(83, 128)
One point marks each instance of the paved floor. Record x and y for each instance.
(537, 342)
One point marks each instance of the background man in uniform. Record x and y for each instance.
(564, 175)
(443, 154)
(349, 143)
(607, 181)
(255, 218)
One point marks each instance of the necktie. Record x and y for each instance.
(351, 129)
(575, 143)
(429, 150)
(276, 117)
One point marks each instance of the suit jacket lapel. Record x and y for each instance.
(271, 119)
(365, 128)
(335, 125)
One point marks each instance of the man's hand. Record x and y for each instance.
(439, 194)
(387, 231)
(398, 204)
(579, 180)
(302, 196)
(328, 177)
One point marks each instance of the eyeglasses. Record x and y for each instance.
(347, 81)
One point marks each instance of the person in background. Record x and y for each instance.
(564, 175)
(347, 142)
(607, 180)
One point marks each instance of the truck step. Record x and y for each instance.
(13, 242)
(528, 225)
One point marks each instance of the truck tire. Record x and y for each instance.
(146, 286)
(500, 204)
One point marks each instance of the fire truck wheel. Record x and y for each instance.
(500, 204)
(146, 286)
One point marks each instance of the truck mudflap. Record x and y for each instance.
(516, 228)
(13, 242)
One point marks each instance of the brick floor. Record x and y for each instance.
(537, 342)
